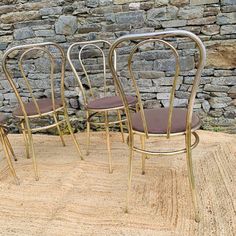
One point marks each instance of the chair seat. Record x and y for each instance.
(110, 102)
(157, 121)
(3, 118)
(45, 105)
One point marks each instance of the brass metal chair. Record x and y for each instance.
(161, 122)
(6, 146)
(53, 107)
(94, 105)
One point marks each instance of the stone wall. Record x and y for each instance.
(66, 21)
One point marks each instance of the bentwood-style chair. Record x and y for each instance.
(49, 106)
(93, 104)
(6, 146)
(161, 122)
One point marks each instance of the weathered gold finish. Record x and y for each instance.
(26, 118)
(159, 37)
(8, 151)
(90, 113)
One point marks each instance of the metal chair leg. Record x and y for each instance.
(142, 139)
(88, 134)
(26, 140)
(10, 147)
(108, 142)
(191, 176)
(72, 134)
(121, 126)
(8, 158)
(31, 146)
(59, 130)
(130, 167)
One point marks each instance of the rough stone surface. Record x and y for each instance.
(65, 22)
(66, 25)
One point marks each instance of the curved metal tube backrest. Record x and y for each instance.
(84, 45)
(29, 49)
(158, 37)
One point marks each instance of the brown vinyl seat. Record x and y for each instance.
(45, 105)
(157, 121)
(110, 102)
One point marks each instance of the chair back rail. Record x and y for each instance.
(25, 51)
(158, 37)
(88, 45)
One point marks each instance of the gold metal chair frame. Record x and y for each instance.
(159, 37)
(25, 118)
(92, 112)
(8, 151)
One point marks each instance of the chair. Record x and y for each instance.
(165, 121)
(47, 101)
(7, 148)
(93, 104)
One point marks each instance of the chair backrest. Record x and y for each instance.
(165, 38)
(89, 49)
(49, 55)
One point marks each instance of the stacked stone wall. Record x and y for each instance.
(66, 21)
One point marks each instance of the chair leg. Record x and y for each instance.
(72, 134)
(26, 139)
(121, 126)
(59, 130)
(142, 139)
(88, 134)
(191, 176)
(31, 147)
(130, 167)
(8, 158)
(108, 142)
(10, 147)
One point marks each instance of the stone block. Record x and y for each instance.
(232, 92)
(206, 106)
(131, 17)
(228, 29)
(177, 102)
(45, 33)
(105, 2)
(221, 54)
(230, 80)
(226, 18)
(50, 11)
(14, 17)
(173, 23)
(212, 10)
(227, 2)
(215, 88)
(161, 96)
(151, 74)
(189, 13)
(210, 29)
(66, 25)
(162, 14)
(203, 2)
(88, 28)
(202, 21)
(179, 3)
(219, 102)
(92, 3)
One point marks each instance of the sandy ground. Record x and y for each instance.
(75, 197)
